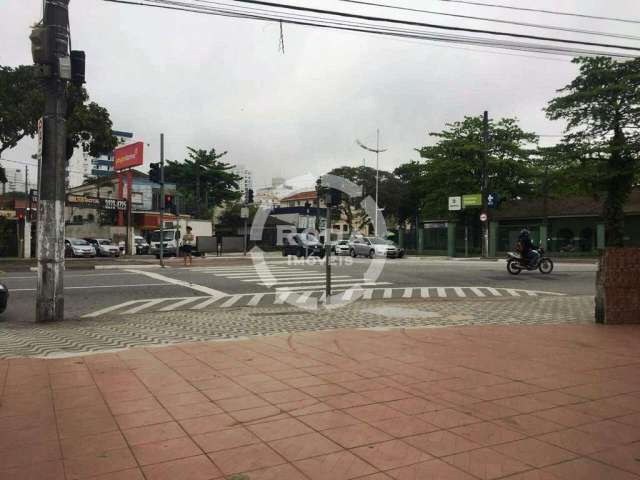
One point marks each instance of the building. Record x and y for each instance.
(82, 167)
(571, 226)
(246, 179)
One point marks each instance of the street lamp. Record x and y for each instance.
(377, 151)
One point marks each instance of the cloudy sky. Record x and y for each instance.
(209, 81)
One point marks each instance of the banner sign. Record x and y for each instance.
(83, 201)
(129, 156)
(474, 200)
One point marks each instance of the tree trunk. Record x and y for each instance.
(619, 185)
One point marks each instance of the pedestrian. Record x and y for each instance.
(187, 246)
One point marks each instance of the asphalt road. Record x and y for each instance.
(224, 283)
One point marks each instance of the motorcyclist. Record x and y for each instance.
(527, 251)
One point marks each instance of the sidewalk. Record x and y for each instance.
(523, 402)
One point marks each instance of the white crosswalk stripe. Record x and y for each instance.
(302, 294)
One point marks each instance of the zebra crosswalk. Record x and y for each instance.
(341, 294)
(283, 278)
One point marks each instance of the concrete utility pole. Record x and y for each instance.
(162, 200)
(485, 184)
(56, 66)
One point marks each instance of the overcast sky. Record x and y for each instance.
(209, 81)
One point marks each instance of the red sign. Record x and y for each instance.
(128, 156)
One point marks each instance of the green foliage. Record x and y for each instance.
(389, 195)
(231, 216)
(601, 107)
(22, 104)
(453, 166)
(203, 181)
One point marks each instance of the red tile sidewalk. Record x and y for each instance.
(463, 403)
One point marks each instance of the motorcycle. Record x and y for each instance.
(515, 263)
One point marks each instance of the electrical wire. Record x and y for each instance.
(496, 20)
(538, 10)
(343, 25)
(435, 26)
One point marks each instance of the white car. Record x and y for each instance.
(104, 247)
(341, 247)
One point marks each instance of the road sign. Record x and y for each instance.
(244, 212)
(483, 217)
(129, 156)
(492, 200)
(473, 200)
(455, 203)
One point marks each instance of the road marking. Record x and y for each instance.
(303, 297)
(179, 304)
(96, 286)
(442, 293)
(303, 277)
(408, 293)
(110, 309)
(281, 297)
(320, 280)
(256, 299)
(493, 291)
(424, 292)
(513, 292)
(319, 287)
(368, 294)
(206, 303)
(181, 283)
(388, 293)
(477, 291)
(230, 301)
(459, 292)
(147, 304)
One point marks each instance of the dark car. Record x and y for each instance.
(4, 297)
(302, 245)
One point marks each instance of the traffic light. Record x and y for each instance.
(335, 196)
(78, 60)
(250, 196)
(154, 172)
(168, 202)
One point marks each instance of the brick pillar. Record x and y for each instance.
(618, 287)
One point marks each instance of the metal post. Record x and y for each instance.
(177, 203)
(377, 177)
(327, 250)
(129, 243)
(50, 287)
(162, 200)
(485, 184)
(244, 237)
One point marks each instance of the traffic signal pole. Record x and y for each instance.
(485, 184)
(50, 251)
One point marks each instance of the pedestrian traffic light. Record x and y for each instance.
(250, 196)
(154, 172)
(168, 201)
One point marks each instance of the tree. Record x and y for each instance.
(453, 166)
(389, 195)
(203, 181)
(413, 178)
(22, 104)
(602, 109)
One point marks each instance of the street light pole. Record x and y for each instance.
(377, 151)
(162, 200)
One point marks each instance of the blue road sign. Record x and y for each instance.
(492, 200)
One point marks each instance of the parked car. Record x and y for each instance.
(77, 247)
(341, 247)
(104, 247)
(375, 247)
(302, 245)
(4, 297)
(142, 247)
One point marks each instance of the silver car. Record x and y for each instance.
(374, 247)
(76, 247)
(341, 247)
